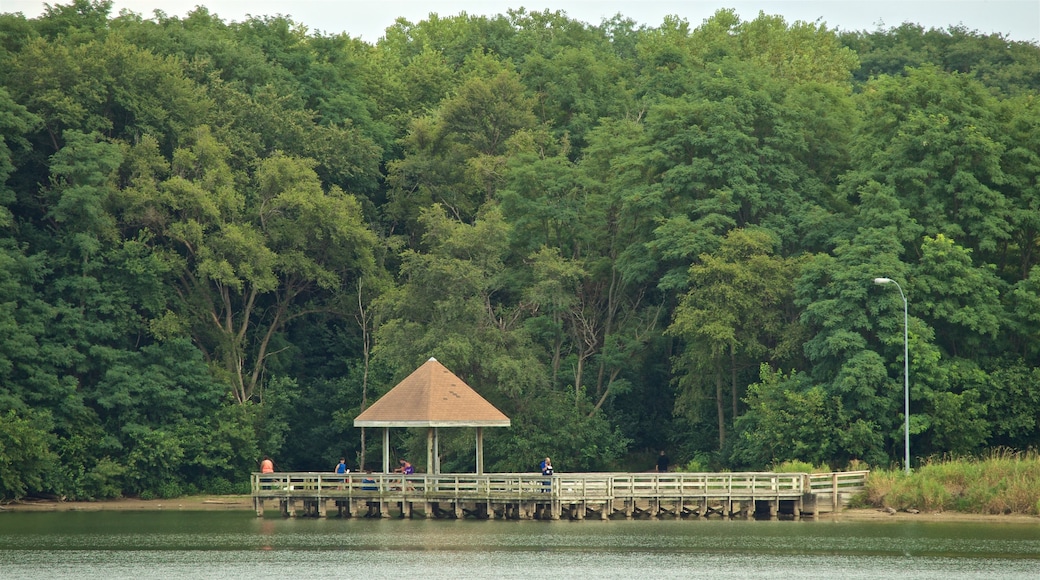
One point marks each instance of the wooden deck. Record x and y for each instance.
(565, 496)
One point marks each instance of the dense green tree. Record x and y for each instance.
(221, 239)
(789, 419)
(933, 136)
(26, 457)
(737, 314)
(1021, 166)
(962, 301)
(1010, 66)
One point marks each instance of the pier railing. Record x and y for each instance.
(578, 486)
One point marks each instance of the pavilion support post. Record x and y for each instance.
(436, 450)
(386, 450)
(480, 451)
(431, 467)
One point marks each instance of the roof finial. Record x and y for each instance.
(433, 359)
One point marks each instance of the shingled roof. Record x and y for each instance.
(432, 396)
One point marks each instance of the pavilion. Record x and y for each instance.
(432, 397)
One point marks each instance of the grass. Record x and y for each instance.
(1003, 482)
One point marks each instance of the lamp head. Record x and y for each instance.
(882, 280)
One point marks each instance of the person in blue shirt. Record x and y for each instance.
(341, 469)
(547, 469)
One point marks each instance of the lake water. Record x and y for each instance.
(145, 545)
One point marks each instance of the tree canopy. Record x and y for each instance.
(222, 240)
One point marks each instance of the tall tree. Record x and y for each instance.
(250, 263)
(737, 314)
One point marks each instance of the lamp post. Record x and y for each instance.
(906, 375)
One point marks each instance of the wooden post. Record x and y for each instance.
(430, 465)
(834, 490)
(808, 505)
(480, 451)
(436, 450)
(386, 450)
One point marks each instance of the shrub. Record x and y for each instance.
(1003, 482)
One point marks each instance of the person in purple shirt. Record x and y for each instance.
(406, 468)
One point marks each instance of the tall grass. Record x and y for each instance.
(1003, 482)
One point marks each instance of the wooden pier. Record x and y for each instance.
(567, 496)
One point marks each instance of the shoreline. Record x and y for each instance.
(189, 503)
(245, 503)
(881, 515)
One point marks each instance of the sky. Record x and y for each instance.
(368, 19)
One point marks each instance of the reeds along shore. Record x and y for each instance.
(1004, 482)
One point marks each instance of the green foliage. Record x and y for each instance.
(735, 314)
(224, 239)
(699, 464)
(796, 466)
(26, 457)
(1001, 482)
(553, 427)
(788, 419)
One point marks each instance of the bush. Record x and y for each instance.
(698, 464)
(103, 481)
(221, 486)
(796, 466)
(169, 489)
(1004, 482)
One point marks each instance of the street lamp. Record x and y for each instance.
(906, 375)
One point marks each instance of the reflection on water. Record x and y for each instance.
(143, 545)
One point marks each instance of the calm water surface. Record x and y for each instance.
(145, 545)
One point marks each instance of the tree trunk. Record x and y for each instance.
(362, 319)
(720, 407)
(733, 379)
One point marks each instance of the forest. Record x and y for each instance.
(223, 240)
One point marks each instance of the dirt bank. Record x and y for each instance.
(192, 503)
(870, 514)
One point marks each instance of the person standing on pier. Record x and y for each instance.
(662, 462)
(341, 468)
(547, 469)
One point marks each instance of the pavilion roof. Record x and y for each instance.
(432, 396)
